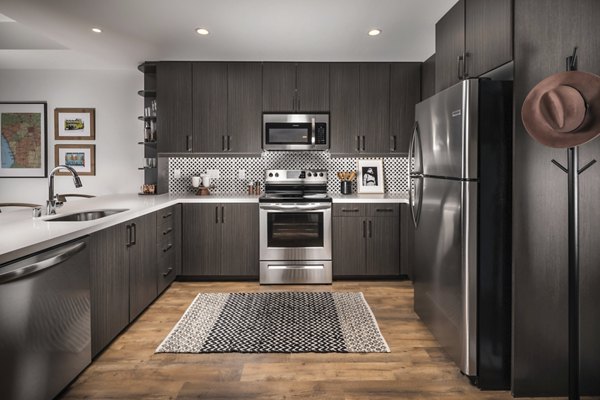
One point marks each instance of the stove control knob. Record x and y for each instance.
(320, 174)
(276, 174)
(309, 174)
(270, 174)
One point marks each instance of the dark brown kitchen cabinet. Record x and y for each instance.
(142, 264)
(366, 240)
(295, 87)
(174, 107)
(473, 38)
(450, 47)
(428, 78)
(244, 122)
(220, 239)
(168, 246)
(345, 105)
(209, 97)
(405, 92)
(374, 107)
(109, 284)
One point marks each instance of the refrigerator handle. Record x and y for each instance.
(411, 199)
(414, 142)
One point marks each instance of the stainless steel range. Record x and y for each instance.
(295, 228)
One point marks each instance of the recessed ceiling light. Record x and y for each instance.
(374, 32)
(202, 31)
(96, 30)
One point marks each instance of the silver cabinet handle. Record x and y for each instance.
(222, 214)
(384, 209)
(169, 246)
(459, 69)
(188, 143)
(363, 143)
(128, 232)
(167, 215)
(350, 209)
(393, 143)
(167, 231)
(134, 229)
(228, 143)
(217, 214)
(357, 143)
(169, 270)
(41, 265)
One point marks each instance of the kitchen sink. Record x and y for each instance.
(86, 215)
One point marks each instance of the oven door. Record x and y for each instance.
(295, 231)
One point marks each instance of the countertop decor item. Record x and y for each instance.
(346, 178)
(23, 140)
(276, 322)
(74, 123)
(560, 112)
(370, 176)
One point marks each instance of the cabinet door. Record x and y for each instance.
(174, 106)
(405, 93)
(244, 115)
(142, 265)
(449, 45)
(428, 78)
(109, 284)
(488, 35)
(168, 245)
(239, 239)
(210, 106)
(383, 246)
(407, 229)
(312, 87)
(374, 107)
(201, 238)
(279, 85)
(344, 104)
(349, 235)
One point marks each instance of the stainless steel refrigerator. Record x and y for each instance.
(460, 201)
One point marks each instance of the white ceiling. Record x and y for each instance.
(43, 34)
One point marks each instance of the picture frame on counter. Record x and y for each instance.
(23, 139)
(74, 123)
(80, 157)
(370, 176)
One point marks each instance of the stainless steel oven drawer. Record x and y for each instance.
(295, 272)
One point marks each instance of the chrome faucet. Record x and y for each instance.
(53, 201)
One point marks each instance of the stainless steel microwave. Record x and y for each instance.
(295, 131)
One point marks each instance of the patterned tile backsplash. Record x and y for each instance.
(395, 170)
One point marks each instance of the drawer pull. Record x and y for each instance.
(168, 272)
(167, 215)
(167, 231)
(167, 248)
(350, 210)
(384, 210)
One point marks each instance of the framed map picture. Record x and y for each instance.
(80, 157)
(23, 140)
(74, 123)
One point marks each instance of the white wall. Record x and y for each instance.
(113, 93)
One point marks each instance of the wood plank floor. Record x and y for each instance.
(416, 368)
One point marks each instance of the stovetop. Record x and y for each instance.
(295, 186)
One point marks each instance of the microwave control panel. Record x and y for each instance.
(320, 133)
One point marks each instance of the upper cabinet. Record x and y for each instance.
(227, 107)
(372, 107)
(405, 92)
(473, 38)
(174, 107)
(295, 87)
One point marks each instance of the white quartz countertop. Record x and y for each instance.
(22, 235)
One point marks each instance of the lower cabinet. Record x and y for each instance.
(142, 264)
(366, 239)
(109, 284)
(122, 276)
(168, 245)
(220, 239)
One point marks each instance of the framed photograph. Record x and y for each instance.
(74, 123)
(23, 140)
(81, 157)
(370, 176)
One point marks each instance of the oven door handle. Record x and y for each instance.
(295, 207)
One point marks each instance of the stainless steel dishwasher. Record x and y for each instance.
(44, 322)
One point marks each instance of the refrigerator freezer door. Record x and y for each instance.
(447, 126)
(445, 267)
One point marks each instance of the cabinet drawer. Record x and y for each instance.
(166, 245)
(349, 210)
(164, 233)
(165, 217)
(383, 210)
(166, 270)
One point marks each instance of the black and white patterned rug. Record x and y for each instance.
(276, 322)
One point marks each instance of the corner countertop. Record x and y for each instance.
(22, 235)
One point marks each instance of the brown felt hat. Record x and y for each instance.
(563, 110)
